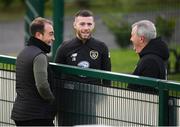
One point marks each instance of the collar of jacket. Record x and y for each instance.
(40, 44)
(81, 42)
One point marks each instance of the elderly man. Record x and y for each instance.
(153, 53)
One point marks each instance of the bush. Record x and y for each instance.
(165, 28)
(6, 3)
(122, 34)
(121, 31)
(83, 3)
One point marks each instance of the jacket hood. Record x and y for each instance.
(157, 47)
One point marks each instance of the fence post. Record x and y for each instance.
(58, 19)
(163, 106)
(34, 8)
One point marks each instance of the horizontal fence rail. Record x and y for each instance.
(85, 103)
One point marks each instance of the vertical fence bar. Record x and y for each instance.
(163, 106)
(173, 112)
(58, 19)
(34, 8)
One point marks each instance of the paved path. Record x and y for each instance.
(12, 35)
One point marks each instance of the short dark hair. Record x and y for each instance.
(84, 13)
(37, 25)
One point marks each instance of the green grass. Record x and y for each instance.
(8, 67)
(124, 61)
(174, 77)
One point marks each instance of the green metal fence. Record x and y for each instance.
(83, 103)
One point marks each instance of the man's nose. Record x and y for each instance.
(130, 39)
(53, 38)
(86, 26)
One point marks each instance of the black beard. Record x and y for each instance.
(83, 39)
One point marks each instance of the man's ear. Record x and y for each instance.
(94, 25)
(142, 38)
(38, 35)
(74, 25)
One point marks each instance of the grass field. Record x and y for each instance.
(124, 61)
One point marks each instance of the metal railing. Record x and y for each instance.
(84, 103)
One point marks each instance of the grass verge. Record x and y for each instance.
(124, 61)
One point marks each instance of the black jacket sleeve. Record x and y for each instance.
(59, 57)
(106, 64)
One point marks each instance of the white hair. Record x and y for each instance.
(145, 28)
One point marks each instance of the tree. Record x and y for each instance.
(6, 3)
(165, 28)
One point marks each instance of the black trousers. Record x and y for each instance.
(35, 122)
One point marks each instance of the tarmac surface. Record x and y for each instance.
(12, 32)
(12, 35)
